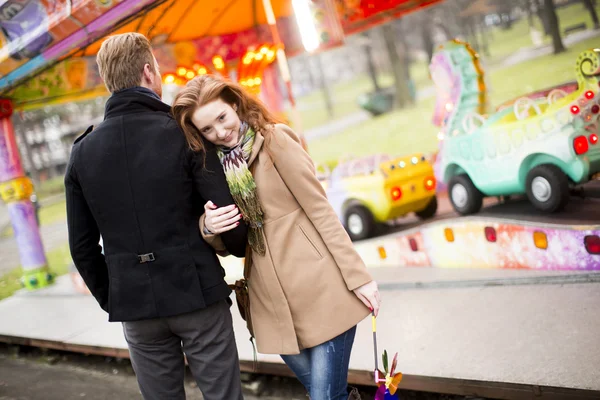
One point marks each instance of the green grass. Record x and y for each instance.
(506, 42)
(48, 215)
(410, 130)
(540, 73)
(51, 187)
(313, 110)
(59, 260)
(396, 133)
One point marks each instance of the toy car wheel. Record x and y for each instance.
(359, 223)
(547, 188)
(464, 196)
(429, 211)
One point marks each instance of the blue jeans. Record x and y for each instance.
(323, 369)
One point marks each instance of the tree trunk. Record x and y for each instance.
(309, 70)
(34, 174)
(370, 63)
(473, 33)
(427, 39)
(554, 27)
(325, 86)
(400, 83)
(406, 63)
(542, 16)
(529, 8)
(484, 40)
(589, 4)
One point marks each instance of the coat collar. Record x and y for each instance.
(132, 102)
(256, 146)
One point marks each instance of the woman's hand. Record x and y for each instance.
(221, 219)
(369, 295)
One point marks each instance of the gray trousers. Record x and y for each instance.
(156, 347)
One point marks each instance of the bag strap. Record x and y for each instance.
(247, 262)
(248, 255)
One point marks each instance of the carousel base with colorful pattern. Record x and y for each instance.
(507, 234)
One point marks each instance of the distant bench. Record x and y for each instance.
(574, 28)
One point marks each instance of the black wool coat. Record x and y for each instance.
(134, 181)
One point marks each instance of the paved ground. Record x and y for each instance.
(62, 376)
(30, 374)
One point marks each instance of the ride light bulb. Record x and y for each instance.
(592, 244)
(382, 252)
(490, 234)
(430, 183)
(449, 235)
(540, 240)
(593, 138)
(396, 194)
(413, 244)
(575, 109)
(580, 145)
(589, 94)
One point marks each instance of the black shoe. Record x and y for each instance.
(354, 394)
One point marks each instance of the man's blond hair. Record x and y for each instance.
(121, 60)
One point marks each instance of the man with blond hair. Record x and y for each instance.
(134, 181)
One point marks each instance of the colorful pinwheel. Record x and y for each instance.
(388, 382)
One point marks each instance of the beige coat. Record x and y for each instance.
(301, 289)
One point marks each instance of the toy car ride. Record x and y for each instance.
(371, 190)
(538, 147)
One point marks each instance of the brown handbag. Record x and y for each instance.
(240, 287)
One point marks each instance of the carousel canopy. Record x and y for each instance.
(46, 44)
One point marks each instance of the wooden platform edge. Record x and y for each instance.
(463, 387)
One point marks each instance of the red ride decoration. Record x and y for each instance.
(396, 194)
(595, 108)
(593, 138)
(6, 108)
(580, 145)
(575, 109)
(413, 244)
(589, 94)
(490, 234)
(592, 244)
(430, 183)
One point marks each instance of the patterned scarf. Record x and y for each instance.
(242, 186)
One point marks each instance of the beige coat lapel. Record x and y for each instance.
(258, 142)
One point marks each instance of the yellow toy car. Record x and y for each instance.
(375, 189)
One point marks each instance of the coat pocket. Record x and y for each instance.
(310, 242)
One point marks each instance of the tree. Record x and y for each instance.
(541, 12)
(528, 6)
(552, 19)
(427, 38)
(325, 86)
(504, 10)
(368, 48)
(589, 4)
(400, 83)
